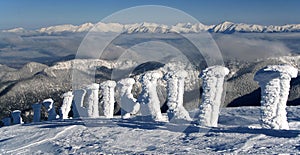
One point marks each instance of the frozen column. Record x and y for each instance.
(212, 84)
(77, 105)
(48, 103)
(148, 99)
(6, 121)
(36, 112)
(108, 92)
(66, 106)
(92, 100)
(16, 116)
(274, 81)
(129, 104)
(175, 90)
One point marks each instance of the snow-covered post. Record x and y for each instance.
(274, 81)
(6, 121)
(16, 116)
(148, 99)
(212, 84)
(66, 106)
(129, 104)
(108, 92)
(93, 100)
(48, 103)
(175, 90)
(77, 105)
(36, 112)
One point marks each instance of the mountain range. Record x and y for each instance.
(224, 27)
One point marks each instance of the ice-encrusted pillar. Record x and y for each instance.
(175, 91)
(129, 104)
(108, 92)
(36, 112)
(212, 85)
(93, 100)
(148, 99)
(274, 81)
(77, 105)
(66, 105)
(49, 104)
(16, 116)
(6, 121)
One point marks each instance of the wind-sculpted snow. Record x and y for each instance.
(53, 81)
(49, 104)
(148, 98)
(275, 84)
(66, 105)
(36, 112)
(129, 104)
(175, 90)
(213, 83)
(108, 93)
(92, 93)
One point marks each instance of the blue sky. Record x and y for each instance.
(41, 13)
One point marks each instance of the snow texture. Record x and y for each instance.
(274, 81)
(49, 104)
(77, 105)
(175, 91)
(148, 99)
(213, 81)
(36, 112)
(108, 92)
(237, 134)
(92, 100)
(129, 104)
(16, 116)
(66, 106)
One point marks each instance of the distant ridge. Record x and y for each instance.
(224, 27)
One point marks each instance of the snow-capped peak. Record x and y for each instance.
(145, 27)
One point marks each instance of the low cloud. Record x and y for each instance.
(250, 47)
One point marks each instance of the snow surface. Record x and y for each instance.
(274, 81)
(108, 92)
(213, 81)
(238, 133)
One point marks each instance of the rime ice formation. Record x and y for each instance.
(108, 92)
(92, 100)
(77, 105)
(274, 81)
(148, 99)
(175, 90)
(6, 121)
(16, 116)
(36, 112)
(48, 103)
(66, 106)
(213, 81)
(129, 104)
